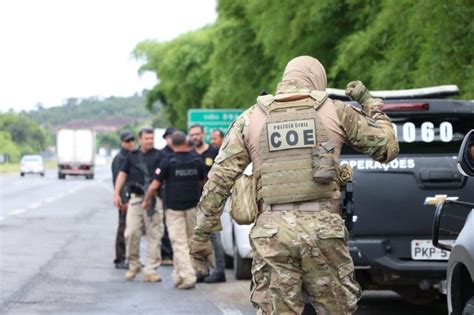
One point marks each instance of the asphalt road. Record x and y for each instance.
(56, 251)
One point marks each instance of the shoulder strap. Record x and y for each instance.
(264, 102)
(319, 98)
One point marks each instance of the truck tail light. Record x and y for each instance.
(405, 107)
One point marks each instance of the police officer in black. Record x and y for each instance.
(208, 154)
(183, 173)
(138, 169)
(166, 248)
(127, 142)
(168, 149)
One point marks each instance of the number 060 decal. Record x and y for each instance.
(427, 132)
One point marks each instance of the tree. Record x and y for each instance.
(181, 66)
(411, 44)
(8, 147)
(239, 70)
(387, 44)
(25, 133)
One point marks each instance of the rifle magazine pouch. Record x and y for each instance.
(324, 163)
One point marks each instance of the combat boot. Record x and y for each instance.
(215, 277)
(186, 285)
(152, 278)
(131, 273)
(121, 265)
(200, 277)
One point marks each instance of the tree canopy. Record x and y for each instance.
(89, 110)
(20, 135)
(387, 44)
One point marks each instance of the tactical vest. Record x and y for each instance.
(295, 150)
(183, 188)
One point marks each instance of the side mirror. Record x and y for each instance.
(456, 220)
(466, 155)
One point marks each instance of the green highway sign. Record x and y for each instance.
(212, 119)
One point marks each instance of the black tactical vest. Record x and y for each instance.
(183, 188)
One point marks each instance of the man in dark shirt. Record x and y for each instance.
(217, 137)
(127, 142)
(166, 248)
(208, 154)
(168, 149)
(183, 173)
(138, 169)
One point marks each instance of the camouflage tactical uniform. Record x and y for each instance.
(299, 246)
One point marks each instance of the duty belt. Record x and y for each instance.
(314, 206)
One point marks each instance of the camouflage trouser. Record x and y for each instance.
(260, 294)
(296, 252)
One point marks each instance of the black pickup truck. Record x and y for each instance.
(391, 238)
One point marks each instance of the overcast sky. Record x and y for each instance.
(51, 50)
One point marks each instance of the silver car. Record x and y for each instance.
(31, 164)
(456, 218)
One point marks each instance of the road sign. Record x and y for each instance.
(212, 119)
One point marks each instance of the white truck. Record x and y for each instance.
(159, 143)
(75, 150)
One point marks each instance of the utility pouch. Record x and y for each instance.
(244, 204)
(324, 163)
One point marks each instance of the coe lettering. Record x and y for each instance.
(294, 134)
(308, 136)
(292, 137)
(274, 139)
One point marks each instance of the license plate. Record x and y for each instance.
(424, 250)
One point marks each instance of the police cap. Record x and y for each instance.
(126, 136)
(169, 131)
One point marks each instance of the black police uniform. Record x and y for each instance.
(208, 157)
(166, 248)
(134, 166)
(167, 151)
(182, 172)
(120, 250)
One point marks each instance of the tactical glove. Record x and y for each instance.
(202, 256)
(344, 174)
(358, 92)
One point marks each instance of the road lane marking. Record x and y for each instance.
(228, 309)
(46, 201)
(50, 199)
(34, 206)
